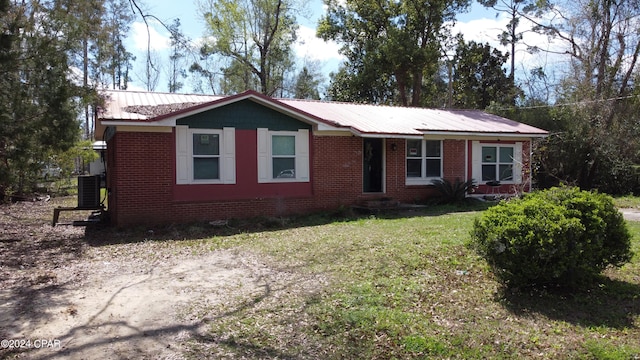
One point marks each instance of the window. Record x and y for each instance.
(424, 161)
(497, 163)
(205, 156)
(283, 156)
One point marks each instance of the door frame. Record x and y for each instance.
(366, 176)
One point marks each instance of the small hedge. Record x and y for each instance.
(559, 236)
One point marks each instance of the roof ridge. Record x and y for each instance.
(342, 102)
(292, 100)
(370, 104)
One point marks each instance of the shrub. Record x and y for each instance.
(558, 236)
(453, 192)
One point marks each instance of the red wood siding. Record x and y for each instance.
(246, 186)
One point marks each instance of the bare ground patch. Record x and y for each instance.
(146, 299)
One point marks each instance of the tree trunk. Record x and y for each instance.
(85, 84)
(416, 88)
(401, 79)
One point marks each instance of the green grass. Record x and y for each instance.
(408, 288)
(627, 201)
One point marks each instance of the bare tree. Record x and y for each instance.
(255, 35)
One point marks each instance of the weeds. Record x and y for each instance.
(335, 286)
(408, 288)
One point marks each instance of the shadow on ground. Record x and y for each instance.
(104, 234)
(608, 303)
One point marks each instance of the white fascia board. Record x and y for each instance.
(391, 136)
(327, 127)
(386, 136)
(164, 122)
(217, 104)
(480, 135)
(448, 135)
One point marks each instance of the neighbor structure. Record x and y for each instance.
(175, 158)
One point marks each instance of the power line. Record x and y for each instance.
(571, 104)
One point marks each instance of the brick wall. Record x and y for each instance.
(454, 161)
(141, 177)
(146, 163)
(336, 170)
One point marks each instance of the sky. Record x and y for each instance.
(479, 24)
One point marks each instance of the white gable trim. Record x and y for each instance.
(170, 120)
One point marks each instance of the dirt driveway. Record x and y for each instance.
(68, 294)
(631, 214)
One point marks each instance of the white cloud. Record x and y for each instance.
(132, 86)
(485, 30)
(314, 48)
(481, 30)
(140, 37)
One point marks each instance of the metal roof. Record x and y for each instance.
(379, 119)
(359, 118)
(140, 105)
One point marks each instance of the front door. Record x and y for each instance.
(373, 168)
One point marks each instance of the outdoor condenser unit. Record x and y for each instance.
(89, 192)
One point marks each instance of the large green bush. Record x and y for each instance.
(557, 236)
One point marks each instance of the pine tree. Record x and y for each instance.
(307, 85)
(37, 110)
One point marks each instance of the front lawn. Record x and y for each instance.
(320, 287)
(409, 288)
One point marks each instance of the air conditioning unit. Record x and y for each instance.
(89, 192)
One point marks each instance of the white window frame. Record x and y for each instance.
(185, 156)
(265, 156)
(516, 163)
(498, 162)
(423, 179)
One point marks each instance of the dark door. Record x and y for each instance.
(372, 168)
